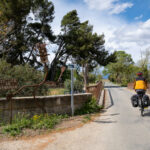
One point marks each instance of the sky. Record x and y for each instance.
(125, 23)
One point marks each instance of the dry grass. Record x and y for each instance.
(56, 91)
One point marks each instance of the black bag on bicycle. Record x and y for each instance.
(146, 101)
(135, 101)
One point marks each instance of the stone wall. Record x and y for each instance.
(60, 104)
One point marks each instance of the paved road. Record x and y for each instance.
(125, 129)
(120, 127)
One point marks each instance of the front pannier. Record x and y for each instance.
(146, 101)
(134, 100)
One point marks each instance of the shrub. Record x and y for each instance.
(78, 85)
(90, 106)
(25, 75)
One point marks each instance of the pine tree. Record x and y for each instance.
(30, 24)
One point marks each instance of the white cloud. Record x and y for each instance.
(138, 33)
(112, 6)
(132, 38)
(119, 34)
(139, 17)
(118, 8)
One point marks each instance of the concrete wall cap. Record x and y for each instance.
(45, 97)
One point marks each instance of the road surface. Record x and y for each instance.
(120, 127)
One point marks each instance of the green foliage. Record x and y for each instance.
(90, 106)
(93, 78)
(23, 121)
(25, 75)
(122, 71)
(13, 130)
(20, 122)
(78, 85)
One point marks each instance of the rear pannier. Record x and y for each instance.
(146, 101)
(134, 100)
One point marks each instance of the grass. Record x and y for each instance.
(56, 91)
(22, 121)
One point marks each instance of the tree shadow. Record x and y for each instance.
(105, 121)
(116, 114)
(113, 86)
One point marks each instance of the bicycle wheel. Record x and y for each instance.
(142, 111)
(142, 108)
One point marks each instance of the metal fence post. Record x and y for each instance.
(72, 85)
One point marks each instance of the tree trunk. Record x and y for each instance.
(52, 71)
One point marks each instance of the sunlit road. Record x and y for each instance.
(120, 127)
(124, 128)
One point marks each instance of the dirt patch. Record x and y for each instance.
(68, 124)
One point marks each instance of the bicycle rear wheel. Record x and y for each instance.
(142, 111)
(142, 107)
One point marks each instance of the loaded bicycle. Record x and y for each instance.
(143, 103)
(140, 100)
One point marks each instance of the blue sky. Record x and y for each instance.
(125, 23)
(140, 7)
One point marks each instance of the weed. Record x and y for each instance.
(87, 118)
(21, 122)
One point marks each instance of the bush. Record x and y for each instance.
(90, 106)
(25, 75)
(78, 85)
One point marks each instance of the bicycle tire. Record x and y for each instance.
(142, 112)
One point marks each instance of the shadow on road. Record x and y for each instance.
(116, 114)
(105, 122)
(113, 87)
(111, 99)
